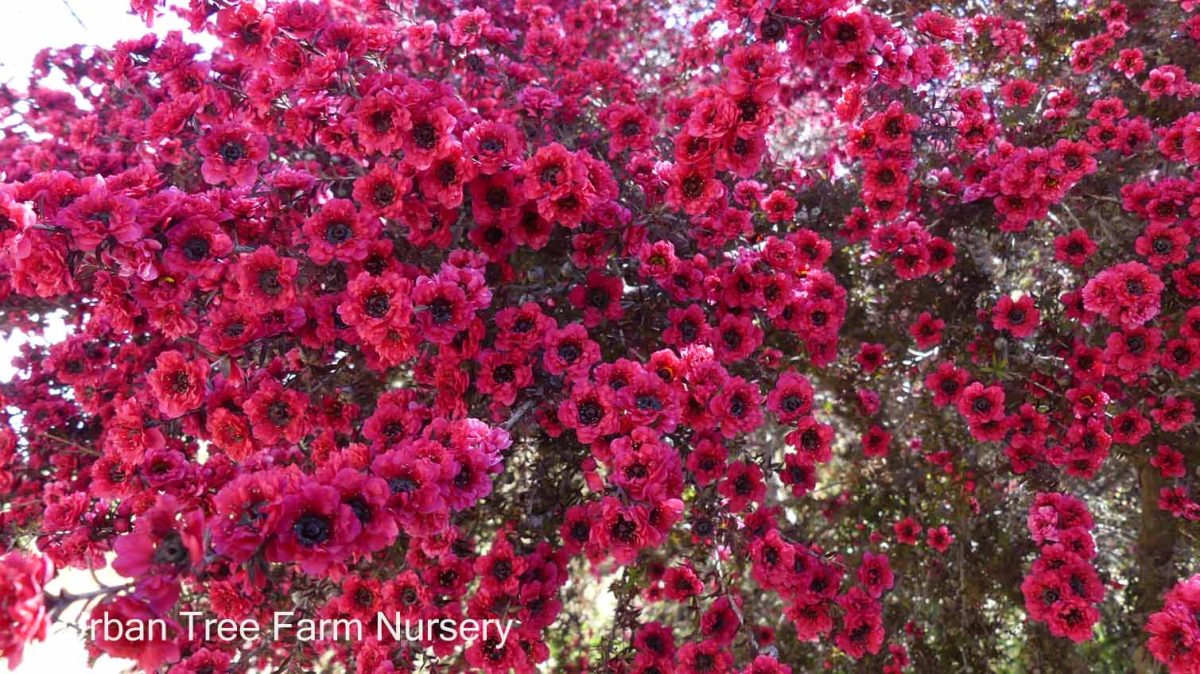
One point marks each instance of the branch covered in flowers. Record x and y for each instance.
(810, 334)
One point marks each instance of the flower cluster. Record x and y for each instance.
(1062, 587)
(1175, 630)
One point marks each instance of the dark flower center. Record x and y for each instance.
(171, 550)
(279, 413)
(596, 297)
(361, 510)
(441, 310)
(624, 530)
(424, 135)
(311, 530)
(196, 248)
(337, 232)
(401, 485)
(381, 121)
(569, 352)
(503, 374)
(231, 152)
(268, 282)
(384, 194)
(377, 304)
(502, 569)
(590, 413)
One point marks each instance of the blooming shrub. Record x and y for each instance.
(810, 334)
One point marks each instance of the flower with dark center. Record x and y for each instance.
(742, 486)
(180, 382)
(550, 174)
(772, 29)
(810, 439)
(693, 186)
(408, 596)
(497, 197)
(737, 406)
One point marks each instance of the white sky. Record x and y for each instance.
(27, 27)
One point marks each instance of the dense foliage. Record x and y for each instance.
(800, 334)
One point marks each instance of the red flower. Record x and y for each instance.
(164, 540)
(265, 280)
(600, 299)
(135, 635)
(979, 403)
(939, 538)
(22, 608)
(382, 122)
(277, 413)
(927, 331)
(338, 232)
(742, 485)
(178, 383)
(569, 351)
(315, 529)
(907, 531)
(231, 155)
(1018, 317)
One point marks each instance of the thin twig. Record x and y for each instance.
(74, 15)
